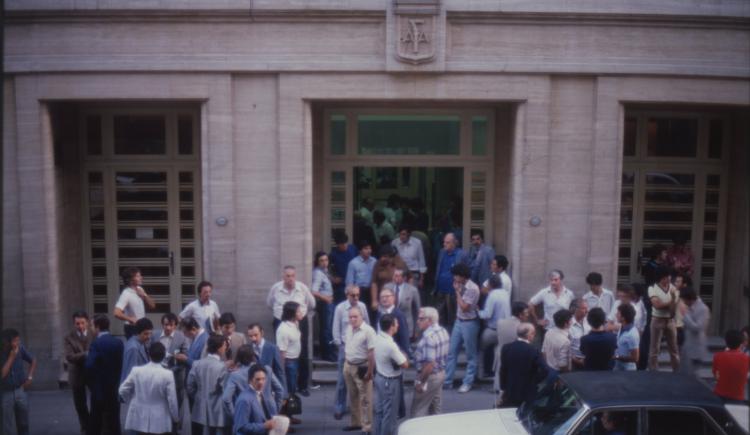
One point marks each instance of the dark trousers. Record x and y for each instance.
(105, 415)
(446, 306)
(82, 408)
(197, 429)
(325, 329)
(303, 379)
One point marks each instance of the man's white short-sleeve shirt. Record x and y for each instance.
(131, 304)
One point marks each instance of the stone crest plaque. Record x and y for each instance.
(415, 37)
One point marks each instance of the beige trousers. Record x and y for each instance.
(429, 402)
(665, 327)
(360, 397)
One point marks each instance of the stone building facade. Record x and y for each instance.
(225, 139)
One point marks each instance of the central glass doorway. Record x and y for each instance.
(427, 199)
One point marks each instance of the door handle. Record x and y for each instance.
(171, 262)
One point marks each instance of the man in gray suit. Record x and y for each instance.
(176, 345)
(407, 299)
(135, 353)
(695, 316)
(205, 387)
(76, 345)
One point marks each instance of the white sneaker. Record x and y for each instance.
(464, 388)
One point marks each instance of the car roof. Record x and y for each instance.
(640, 388)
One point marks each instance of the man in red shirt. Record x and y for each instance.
(730, 369)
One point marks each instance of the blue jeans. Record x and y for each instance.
(386, 404)
(340, 406)
(15, 412)
(466, 334)
(291, 369)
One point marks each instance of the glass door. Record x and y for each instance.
(144, 218)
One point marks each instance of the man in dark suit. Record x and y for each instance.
(76, 345)
(266, 352)
(103, 369)
(176, 345)
(388, 306)
(522, 368)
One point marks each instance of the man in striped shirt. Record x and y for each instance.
(430, 357)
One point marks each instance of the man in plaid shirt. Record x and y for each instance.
(430, 357)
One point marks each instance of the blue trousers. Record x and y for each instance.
(387, 398)
(15, 412)
(465, 334)
(340, 406)
(291, 369)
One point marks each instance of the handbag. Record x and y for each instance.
(293, 405)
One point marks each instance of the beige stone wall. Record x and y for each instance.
(559, 75)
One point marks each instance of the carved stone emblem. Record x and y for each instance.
(416, 38)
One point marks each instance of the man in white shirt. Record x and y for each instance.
(340, 323)
(499, 267)
(153, 408)
(389, 360)
(358, 370)
(626, 295)
(578, 328)
(556, 345)
(130, 305)
(410, 250)
(204, 310)
(286, 290)
(598, 296)
(554, 298)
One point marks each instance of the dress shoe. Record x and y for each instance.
(352, 428)
(294, 420)
(304, 392)
(338, 416)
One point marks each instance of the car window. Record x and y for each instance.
(610, 422)
(679, 422)
(555, 405)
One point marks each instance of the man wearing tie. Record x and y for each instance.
(266, 353)
(76, 345)
(408, 300)
(255, 413)
(176, 346)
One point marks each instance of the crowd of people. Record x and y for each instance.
(375, 318)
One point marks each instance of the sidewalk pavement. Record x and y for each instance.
(52, 413)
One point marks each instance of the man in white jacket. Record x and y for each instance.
(153, 407)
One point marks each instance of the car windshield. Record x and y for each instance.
(555, 404)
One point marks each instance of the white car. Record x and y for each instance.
(601, 403)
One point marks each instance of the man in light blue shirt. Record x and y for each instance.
(359, 272)
(496, 308)
(628, 340)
